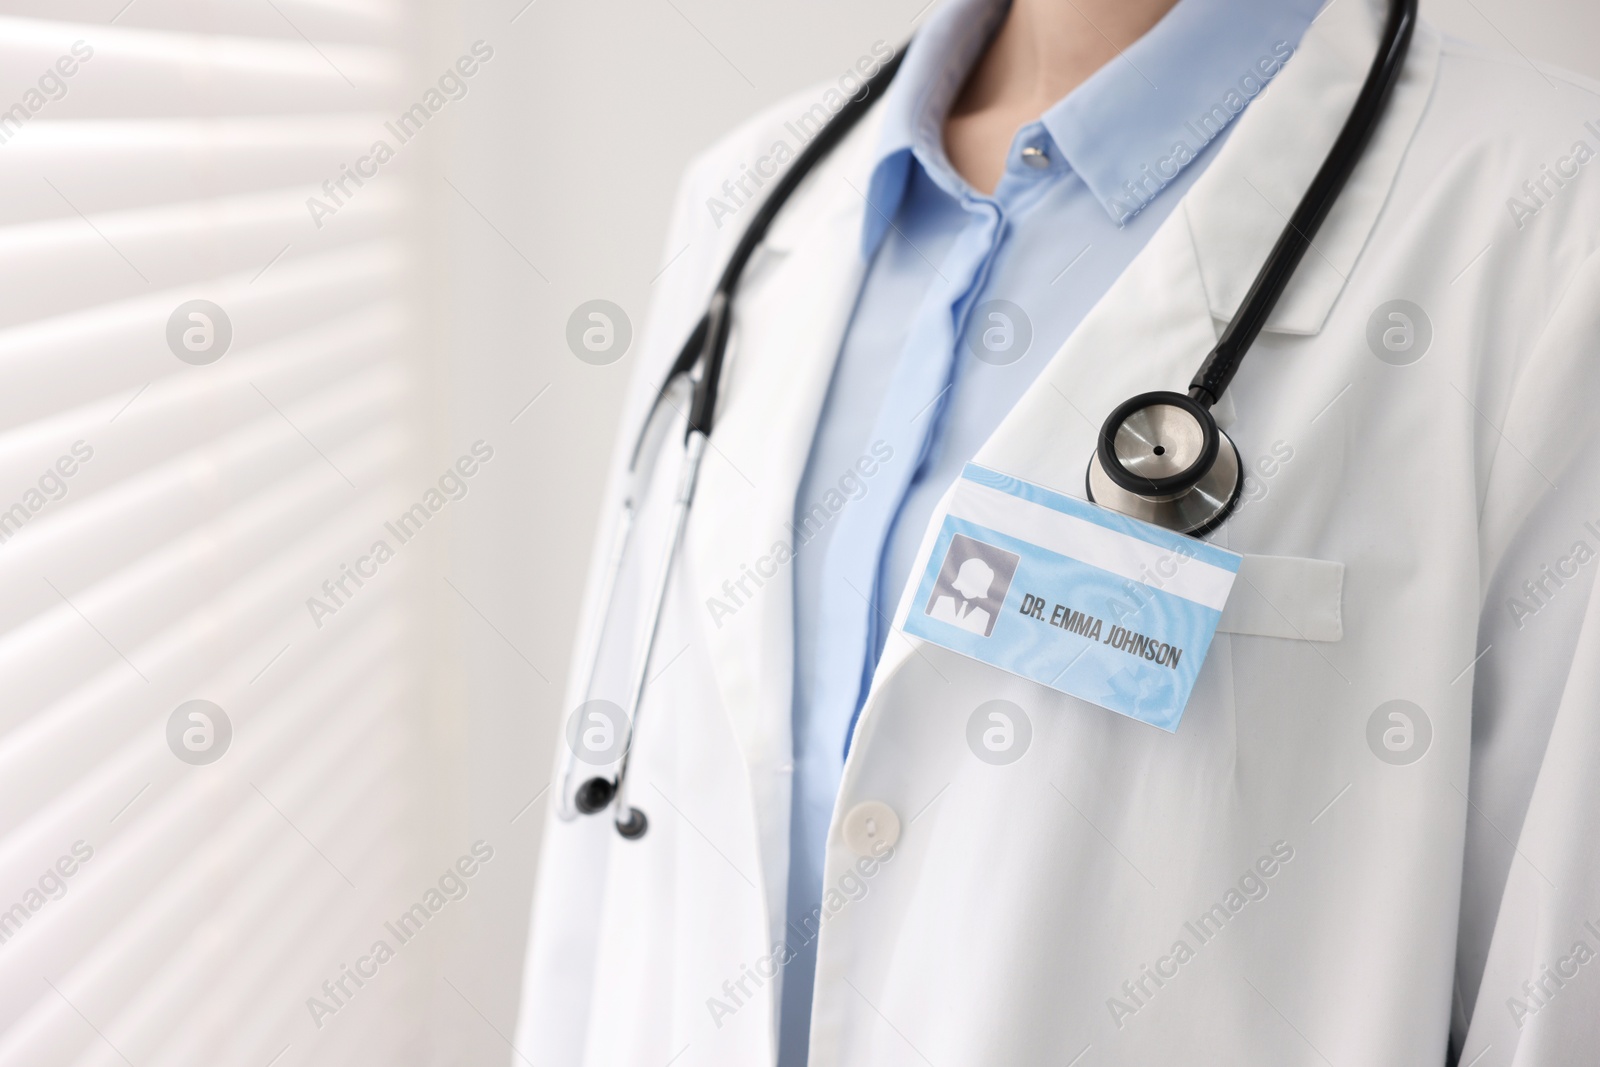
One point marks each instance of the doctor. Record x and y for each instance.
(1371, 839)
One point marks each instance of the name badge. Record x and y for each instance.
(1070, 595)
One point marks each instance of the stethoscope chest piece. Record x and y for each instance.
(1161, 458)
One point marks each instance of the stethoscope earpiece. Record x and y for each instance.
(1161, 458)
(634, 826)
(596, 794)
(593, 795)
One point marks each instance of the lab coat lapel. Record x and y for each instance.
(790, 316)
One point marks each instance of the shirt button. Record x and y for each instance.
(1036, 157)
(868, 823)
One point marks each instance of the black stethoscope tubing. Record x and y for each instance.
(700, 364)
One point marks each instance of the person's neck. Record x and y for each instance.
(1043, 51)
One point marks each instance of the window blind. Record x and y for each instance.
(209, 795)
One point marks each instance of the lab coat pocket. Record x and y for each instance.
(1286, 596)
(1287, 671)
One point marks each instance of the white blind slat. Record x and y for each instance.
(176, 160)
(52, 266)
(101, 355)
(132, 72)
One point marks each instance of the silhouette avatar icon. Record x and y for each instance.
(972, 584)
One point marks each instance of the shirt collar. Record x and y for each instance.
(1126, 131)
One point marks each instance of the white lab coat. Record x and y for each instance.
(1335, 907)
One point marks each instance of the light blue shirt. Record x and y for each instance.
(966, 298)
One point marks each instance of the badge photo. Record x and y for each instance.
(972, 585)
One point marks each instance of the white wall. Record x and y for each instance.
(570, 147)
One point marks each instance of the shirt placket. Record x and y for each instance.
(911, 410)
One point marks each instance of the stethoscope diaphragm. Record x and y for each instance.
(1162, 458)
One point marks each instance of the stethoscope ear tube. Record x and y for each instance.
(598, 793)
(658, 424)
(568, 804)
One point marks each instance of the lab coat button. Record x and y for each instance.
(869, 823)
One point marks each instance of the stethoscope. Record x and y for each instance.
(1160, 456)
